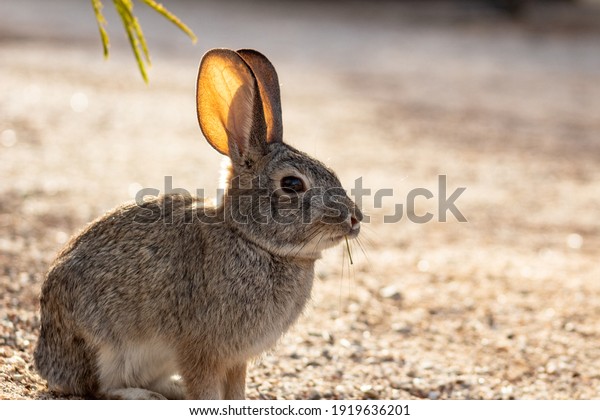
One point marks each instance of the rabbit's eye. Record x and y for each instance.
(292, 184)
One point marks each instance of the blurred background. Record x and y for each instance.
(502, 97)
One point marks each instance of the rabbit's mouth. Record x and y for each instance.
(352, 228)
(351, 234)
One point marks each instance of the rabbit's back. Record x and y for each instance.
(125, 270)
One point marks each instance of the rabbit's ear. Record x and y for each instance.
(268, 83)
(228, 103)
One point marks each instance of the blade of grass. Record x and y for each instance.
(124, 9)
(97, 5)
(135, 25)
(349, 251)
(158, 7)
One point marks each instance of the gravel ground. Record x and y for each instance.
(504, 306)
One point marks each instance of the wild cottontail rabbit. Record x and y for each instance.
(169, 298)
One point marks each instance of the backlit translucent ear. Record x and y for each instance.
(268, 83)
(225, 95)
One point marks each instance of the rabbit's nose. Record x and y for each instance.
(354, 226)
(358, 215)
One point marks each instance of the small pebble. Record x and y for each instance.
(314, 395)
(16, 361)
(390, 292)
(433, 395)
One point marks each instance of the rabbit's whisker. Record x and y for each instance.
(365, 237)
(316, 246)
(362, 248)
(296, 251)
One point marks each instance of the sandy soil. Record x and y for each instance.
(506, 305)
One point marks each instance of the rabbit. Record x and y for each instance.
(169, 298)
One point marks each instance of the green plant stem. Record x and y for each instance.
(133, 29)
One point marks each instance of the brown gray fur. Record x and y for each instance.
(171, 298)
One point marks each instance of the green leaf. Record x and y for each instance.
(125, 10)
(170, 16)
(97, 5)
(140, 36)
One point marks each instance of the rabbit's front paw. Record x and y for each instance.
(133, 394)
(171, 387)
